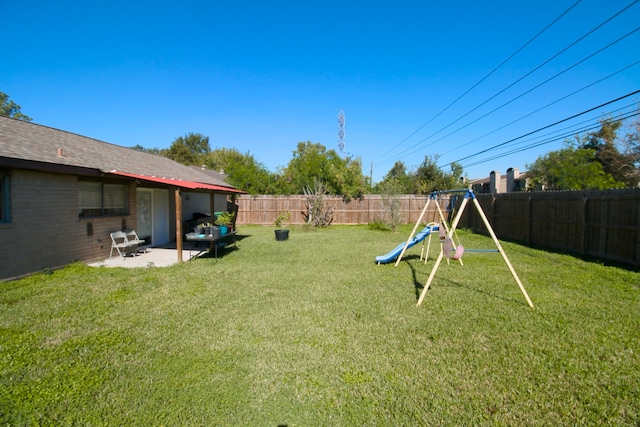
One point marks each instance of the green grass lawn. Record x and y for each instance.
(310, 331)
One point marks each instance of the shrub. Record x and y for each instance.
(319, 212)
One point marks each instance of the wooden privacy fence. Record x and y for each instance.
(601, 224)
(262, 210)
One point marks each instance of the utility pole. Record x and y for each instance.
(371, 178)
(341, 132)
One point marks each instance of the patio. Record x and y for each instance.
(153, 257)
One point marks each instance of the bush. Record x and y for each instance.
(319, 212)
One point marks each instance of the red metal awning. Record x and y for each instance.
(192, 185)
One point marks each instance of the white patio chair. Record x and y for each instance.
(135, 241)
(120, 243)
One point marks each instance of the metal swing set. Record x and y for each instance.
(446, 238)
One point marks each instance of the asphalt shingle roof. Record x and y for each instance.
(29, 141)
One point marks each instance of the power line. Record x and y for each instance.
(544, 127)
(577, 127)
(562, 134)
(531, 89)
(524, 76)
(542, 84)
(483, 78)
(544, 107)
(547, 141)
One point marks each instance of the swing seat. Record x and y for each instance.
(458, 253)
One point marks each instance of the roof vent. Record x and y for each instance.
(60, 152)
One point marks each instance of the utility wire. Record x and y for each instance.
(544, 127)
(576, 127)
(521, 78)
(483, 78)
(534, 88)
(543, 107)
(543, 83)
(585, 126)
(547, 141)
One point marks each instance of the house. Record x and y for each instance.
(496, 183)
(61, 194)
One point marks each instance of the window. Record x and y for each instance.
(5, 198)
(102, 199)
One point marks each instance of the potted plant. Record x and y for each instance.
(204, 228)
(224, 220)
(282, 218)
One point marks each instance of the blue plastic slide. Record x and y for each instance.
(391, 256)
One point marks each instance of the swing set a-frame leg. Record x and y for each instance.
(415, 228)
(502, 252)
(450, 232)
(495, 241)
(413, 232)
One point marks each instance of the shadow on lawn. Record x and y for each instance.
(225, 249)
(420, 286)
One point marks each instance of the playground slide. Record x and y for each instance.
(391, 256)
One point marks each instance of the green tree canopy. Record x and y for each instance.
(397, 179)
(571, 168)
(139, 147)
(632, 148)
(617, 162)
(190, 149)
(11, 109)
(595, 160)
(429, 177)
(312, 161)
(243, 171)
(424, 179)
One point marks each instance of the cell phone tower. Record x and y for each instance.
(341, 132)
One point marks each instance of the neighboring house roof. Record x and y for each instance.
(479, 181)
(27, 141)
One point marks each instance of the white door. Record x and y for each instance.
(160, 217)
(153, 215)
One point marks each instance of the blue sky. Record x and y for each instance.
(262, 76)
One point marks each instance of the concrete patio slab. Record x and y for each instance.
(153, 257)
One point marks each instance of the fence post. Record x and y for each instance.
(583, 237)
(529, 219)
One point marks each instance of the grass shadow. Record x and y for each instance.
(419, 286)
(414, 274)
(224, 248)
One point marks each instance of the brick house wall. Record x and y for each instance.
(46, 232)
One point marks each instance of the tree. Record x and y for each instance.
(597, 160)
(398, 179)
(571, 168)
(632, 150)
(349, 180)
(139, 147)
(319, 212)
(614, 162)
(429, 177)
(390, 189)
(189, 150)
(312, 161)
(11, 109)
(243, 171)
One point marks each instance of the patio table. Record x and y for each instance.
(227, 238)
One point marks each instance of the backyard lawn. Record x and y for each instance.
(310, 331)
